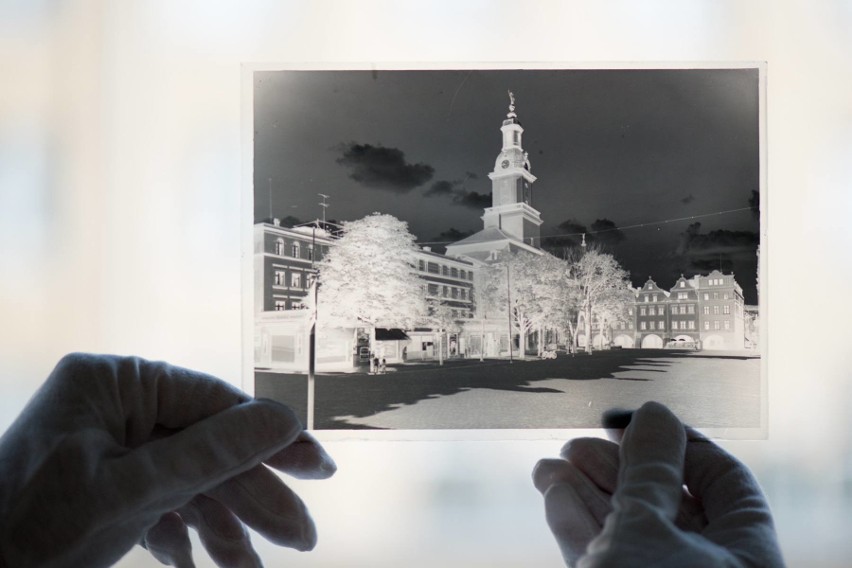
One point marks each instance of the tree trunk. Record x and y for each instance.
(440, 347)
(589, 329)
(522, 343)
(482, 341)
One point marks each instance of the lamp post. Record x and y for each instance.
(509, 306)
(312, 337)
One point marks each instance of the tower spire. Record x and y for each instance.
(511, 113)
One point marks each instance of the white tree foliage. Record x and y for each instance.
(601, 282)
(368, 278)
(527, 286)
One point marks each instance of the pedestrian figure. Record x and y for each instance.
(372, 364)
(384, 366)
(376, 364)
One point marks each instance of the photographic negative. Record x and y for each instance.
(507, 249)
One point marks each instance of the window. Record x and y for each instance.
(715, 295)
(654, 298)
(690, 309)
(433, 268)
(682, 310)
(716, 325)
(652, 311)
(455, 293)
(444, 270)
(454, 272)
(661, 310)
(310, 251)
(642, 325)
(726, 310)
(280, 305)
(279, 278)
(279, 247)
(706, 310)
(295, 280)
(674, 325)
(454, 313)
(646, 297)
(433, 289)
(706, 296)
(691, 324)
(294, 250)
(662, 324)
(706, 325)
(727, 325)
(421, 265)
(630, 311)
(682, 284)
(445, 291)
(630, 325)
(715, 310)
(653, 323)
(463, 274)
(681, 295)
(642, 311)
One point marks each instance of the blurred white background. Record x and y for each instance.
(120, 172)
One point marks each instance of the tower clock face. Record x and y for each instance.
(505, 164)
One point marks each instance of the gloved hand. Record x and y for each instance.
(627, 506)
(113, 451)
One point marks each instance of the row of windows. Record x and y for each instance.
(661, 310)
(295, 249)
(725, 310)
(725, 296)
(717, 325)
(295, 304)
(685, 296)
(689, 324)
(716, 282)
(444, 270)
(652, 325)
(447, 291)
(296, 280)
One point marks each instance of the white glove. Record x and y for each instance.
(113, 451)
(627, 506)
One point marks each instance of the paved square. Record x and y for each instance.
(706, 389)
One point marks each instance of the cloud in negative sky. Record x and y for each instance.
(721, 249)
(605, 232)
(473, 199)
(459, 193)
(688, 199)
(378, 167)
(441, 187)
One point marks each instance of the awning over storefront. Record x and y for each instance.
(390, 334)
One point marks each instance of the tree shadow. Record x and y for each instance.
(361, 395)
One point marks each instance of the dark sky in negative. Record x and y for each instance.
(631, 146)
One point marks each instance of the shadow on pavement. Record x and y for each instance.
(362, 395)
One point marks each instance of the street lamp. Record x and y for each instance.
(509, 306)
(312, 337)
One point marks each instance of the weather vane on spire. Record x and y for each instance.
(511, 103)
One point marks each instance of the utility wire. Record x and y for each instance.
(625, 227)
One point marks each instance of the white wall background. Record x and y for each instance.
(119, 231)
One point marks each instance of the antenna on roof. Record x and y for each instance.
(324, 206)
